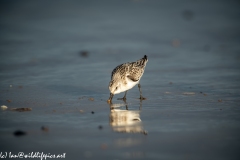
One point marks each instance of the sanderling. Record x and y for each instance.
(126, 76)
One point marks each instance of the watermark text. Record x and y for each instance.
(37, 155)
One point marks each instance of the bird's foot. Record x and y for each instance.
(142, 98)
(124, 99)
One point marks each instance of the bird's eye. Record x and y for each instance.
(116, 88)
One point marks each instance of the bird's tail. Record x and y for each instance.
(143, 61)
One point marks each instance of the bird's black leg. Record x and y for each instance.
(124, 98)
(141, 97)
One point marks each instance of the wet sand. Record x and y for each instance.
(56, 60)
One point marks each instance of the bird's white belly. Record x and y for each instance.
(130, 84)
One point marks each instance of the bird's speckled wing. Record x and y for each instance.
(135, 71)
(120, 70)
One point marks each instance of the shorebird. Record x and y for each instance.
(125, 77)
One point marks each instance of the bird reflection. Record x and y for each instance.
(125, 121)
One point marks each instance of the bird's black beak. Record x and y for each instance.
(110, 98)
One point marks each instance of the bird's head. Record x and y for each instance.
(114, 87)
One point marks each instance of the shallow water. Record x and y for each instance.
(191, 81)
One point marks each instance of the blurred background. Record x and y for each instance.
(57, 56)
